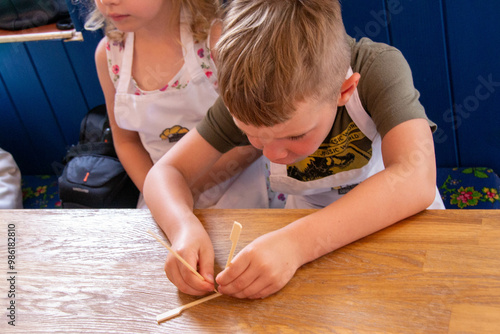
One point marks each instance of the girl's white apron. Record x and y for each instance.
(322, 192)
(177, 109)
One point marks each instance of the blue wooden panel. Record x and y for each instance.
(47, 88)
(81, 55)
(473, 29)
(29, 99)
(14, 136)
(366, 19)
(61, 86)
(417, 30)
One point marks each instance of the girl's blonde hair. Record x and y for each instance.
(275, 53)
(201, 12)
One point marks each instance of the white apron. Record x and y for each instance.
(162, 118)
(10, 182)
(322, 192)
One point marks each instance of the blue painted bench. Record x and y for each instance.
(40, 192)
(469, 188)
(460, 188)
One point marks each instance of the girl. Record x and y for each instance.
(156, 70)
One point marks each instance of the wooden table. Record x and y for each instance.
(99, 271)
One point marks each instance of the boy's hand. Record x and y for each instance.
(261, 268)
(194, 246)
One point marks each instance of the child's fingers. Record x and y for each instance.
(194, 281)
(238, 276)
(206, 265)
(239, 264)
(174, 276)
(186, 282)
(266, 291)
(247, 283)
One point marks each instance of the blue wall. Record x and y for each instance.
(452, 46)
(46, 88)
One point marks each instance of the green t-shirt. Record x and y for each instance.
(386, 92)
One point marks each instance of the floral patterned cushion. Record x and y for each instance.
(469, 188)
(460, 188)
(40, 192)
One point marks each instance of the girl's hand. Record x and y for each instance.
(194, 246)
(262, 268)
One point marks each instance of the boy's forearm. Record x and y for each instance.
(405, 187)
(167, 189)
(169, 199)
(371, 206)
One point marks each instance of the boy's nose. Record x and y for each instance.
(274, 152)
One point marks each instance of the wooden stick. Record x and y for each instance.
(177, 256)
(235, 236)
(176, 311)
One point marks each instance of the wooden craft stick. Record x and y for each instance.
(235, 236)
(176, 311)
(177, 255)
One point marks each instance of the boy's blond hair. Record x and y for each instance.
(275, 53)
(201, 12)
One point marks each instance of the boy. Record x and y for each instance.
(341, 123)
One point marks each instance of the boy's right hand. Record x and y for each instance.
(193, 245)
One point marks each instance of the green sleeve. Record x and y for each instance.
(219, 130)
(386, 86)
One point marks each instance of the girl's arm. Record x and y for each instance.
(132, 154)
(405, 187)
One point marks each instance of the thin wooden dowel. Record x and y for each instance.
(176, 311)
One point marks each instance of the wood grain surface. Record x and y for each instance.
(46, 32)
(99, 271)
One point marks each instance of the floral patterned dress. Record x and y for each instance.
(114, 51)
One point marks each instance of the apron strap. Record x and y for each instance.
(126, 65)
(190, 60)
(359, 115)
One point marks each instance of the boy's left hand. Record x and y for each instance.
(261, 268)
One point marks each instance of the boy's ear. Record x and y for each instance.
(348, 88)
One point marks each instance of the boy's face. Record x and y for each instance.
(297, 138)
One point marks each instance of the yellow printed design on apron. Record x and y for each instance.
(350, 149)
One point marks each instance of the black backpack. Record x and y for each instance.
(93, 177)
(25, 14)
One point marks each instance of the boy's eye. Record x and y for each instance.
(296, 137)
